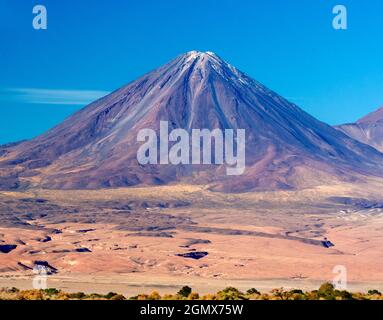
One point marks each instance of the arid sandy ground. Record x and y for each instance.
(129, 240)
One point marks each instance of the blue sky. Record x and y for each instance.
(93, 47)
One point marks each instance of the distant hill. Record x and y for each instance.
(368, 130)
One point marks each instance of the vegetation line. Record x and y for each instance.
(325, 292)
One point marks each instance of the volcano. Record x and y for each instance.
(368, 130)
(286, 148)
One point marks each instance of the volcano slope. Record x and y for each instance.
(97, 147)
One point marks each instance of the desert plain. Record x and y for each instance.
(134, 240)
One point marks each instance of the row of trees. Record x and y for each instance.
(325, 292)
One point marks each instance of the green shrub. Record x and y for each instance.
(344, 295)
(185, 291)
(326, 288)
(118, 297)
(296, 291)
(193, 296)
(154, 296)
(230, 293)
(326, 291)
(51, 291)
(77, 295)
(280, 293)
(94, 296)
(110, 295)
(253, 291)
(374, 292)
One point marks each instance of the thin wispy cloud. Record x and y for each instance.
(52, 96)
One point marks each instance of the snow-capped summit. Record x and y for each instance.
(202, 58)
(196, 54)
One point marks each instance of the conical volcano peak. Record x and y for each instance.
(97, 147)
